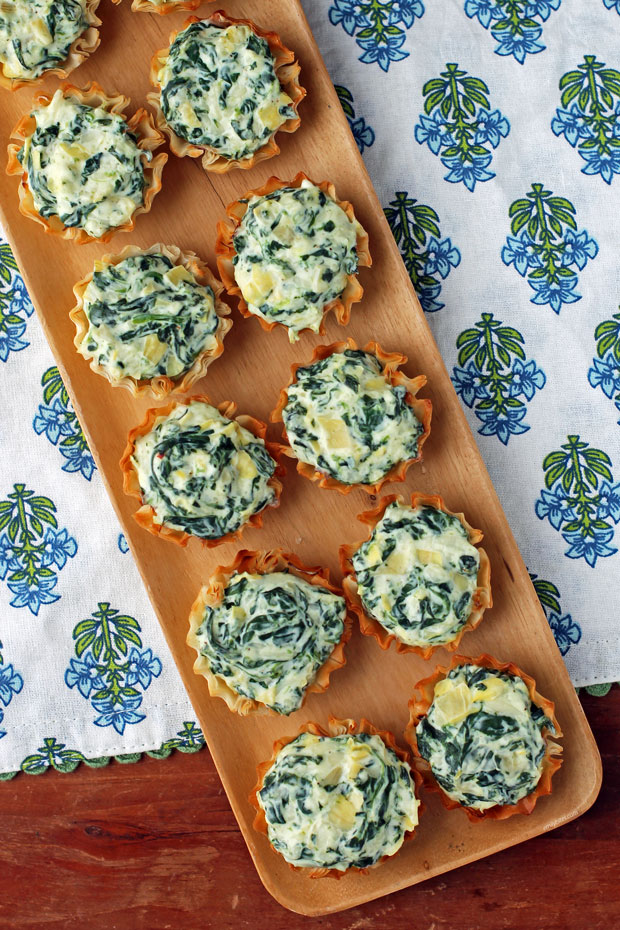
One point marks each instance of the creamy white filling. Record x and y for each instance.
(36, 35)
(83, 166)
(270, 634)
(219, 89)
(417, 574)
(147, 317)
(482, 737)
(201, 472)
(345, 418)
(295, 249)
(337, 802)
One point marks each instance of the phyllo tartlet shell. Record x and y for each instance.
(141, 125)
(261, 563)
(286, 70)
(335, 727)
(160, 385)
(225, 252)
(419, 707)
(481, 598)
(145, 516)
(390, 362)
(81, 47)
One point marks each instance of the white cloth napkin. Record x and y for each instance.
(493, 139)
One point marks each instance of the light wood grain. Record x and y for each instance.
(310, 521)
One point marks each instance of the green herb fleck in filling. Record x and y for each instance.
(219, 89)
(147, 317)
(202, 473)
(343, 417)
(336, 802)
(482, 737)
(83, 165)
(36, 35)
(295, 249)
(417, 574)
(270, 635)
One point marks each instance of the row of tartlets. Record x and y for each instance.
(268, 630)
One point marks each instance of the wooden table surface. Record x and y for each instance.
(154, 845)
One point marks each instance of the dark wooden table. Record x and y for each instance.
(154, 845)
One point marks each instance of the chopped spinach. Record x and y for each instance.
(295, 249)
(219, 89)
(345, 418)
(270, 634)
(491, 750)
(417, 574)
(36, 35)
(143, 323)
(83, 166)
(337, 802)
(202, 473)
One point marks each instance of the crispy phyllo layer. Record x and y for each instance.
(86, 172)
(225, 87)
(150, 319)
(197, 472)
(482, 734)
(268, 630)
(292, 254)
(336, 799)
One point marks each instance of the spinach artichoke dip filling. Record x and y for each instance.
(219, 89)
(482, 737)
(147, 317)
(343, 417)
(270, 635)
(337, 802)
(83, 165)
(295, 249)
(417, 574)
(202, 473)
(36, 35)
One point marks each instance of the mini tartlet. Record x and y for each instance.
(49, 41)
(173, 350)
(315, 268)
(498, 728)
(193, 447)
(358, 821)
(125, 160)
(244, 54)
(437, 595)
(268, 631)
(351, 418)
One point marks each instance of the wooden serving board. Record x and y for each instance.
(311, 522)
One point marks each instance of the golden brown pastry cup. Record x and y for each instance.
(335, 727)
(286, 70)
(141, 125)
(390, 362)
(81, 47)
(368, 625)
(225, 251)
(261, 563)
(419, 707)
(161, 385)
(146, 516)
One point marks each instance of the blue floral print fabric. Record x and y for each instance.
(491, 131)
(85, 673)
